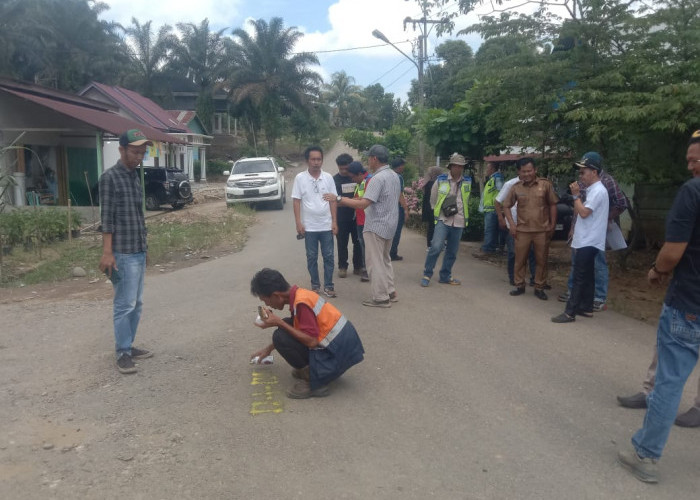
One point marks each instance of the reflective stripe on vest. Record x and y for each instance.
(444, 190)
(490, 193)
(360, 189)
(330, 320)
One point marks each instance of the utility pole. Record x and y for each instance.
(422, 25)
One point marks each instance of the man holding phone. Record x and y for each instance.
(124, 244)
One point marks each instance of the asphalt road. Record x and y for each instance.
(465, 393)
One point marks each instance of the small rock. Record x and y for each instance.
(47, 446)
(79, 272)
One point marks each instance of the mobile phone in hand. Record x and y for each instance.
(300, 236)
(115, 278)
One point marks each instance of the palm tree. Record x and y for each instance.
(202, 56)
(343, 95)
(268, 77)
(149, 53)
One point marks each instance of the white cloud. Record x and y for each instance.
(175, 11)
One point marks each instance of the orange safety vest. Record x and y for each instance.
(330, 320)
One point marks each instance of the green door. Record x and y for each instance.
(81, 161)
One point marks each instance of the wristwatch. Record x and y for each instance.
(338, 198)
(576, 197)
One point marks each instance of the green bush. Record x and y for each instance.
(217, 167)
(38, 226)
(475, 230)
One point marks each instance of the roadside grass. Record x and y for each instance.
(168, 240)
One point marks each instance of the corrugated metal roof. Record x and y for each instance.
(102, 120)
(144, 109)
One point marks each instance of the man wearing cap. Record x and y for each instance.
(678, 333)
(449, 198)
(589, 239)
(360, 177)
(618, 204)
(397, 165)
(537, 216)
(124, 244)
(381, 206)
(347, 229)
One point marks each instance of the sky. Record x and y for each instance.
(329, 26)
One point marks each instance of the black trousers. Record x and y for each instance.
(581, 298)
(294, 352)
(348, 230)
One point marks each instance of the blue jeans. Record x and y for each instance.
(510, 245)
(397, 235)
(312, 241)
(601, 276)
(491, 232)
(128, 299)
(442, 232)
(677, 340)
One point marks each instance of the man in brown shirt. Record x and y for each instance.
(537, 216)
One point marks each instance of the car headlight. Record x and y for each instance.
(230, 184)
(271, 182)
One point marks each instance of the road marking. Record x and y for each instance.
(266, 396)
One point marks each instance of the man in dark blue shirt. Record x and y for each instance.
(678, 334)
(124, 244)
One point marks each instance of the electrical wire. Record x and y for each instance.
(348, 49)
(392, 69)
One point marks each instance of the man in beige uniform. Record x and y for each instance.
(537, 216)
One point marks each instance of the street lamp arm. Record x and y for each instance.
(378, 34)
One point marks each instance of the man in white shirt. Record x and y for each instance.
(316, 218)
(589, 239)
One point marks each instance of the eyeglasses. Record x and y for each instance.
(316, 190)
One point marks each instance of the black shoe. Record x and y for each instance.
(396, 257)
(517, 291)
(540, 294)
(137, 353)
(547, 286)
(532, 282)
(691, 418)
(512, 282)
(563, 318)
(125, 364)
(585, 314)
(635, 401)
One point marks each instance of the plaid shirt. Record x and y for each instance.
(618, 200)
(121, 198)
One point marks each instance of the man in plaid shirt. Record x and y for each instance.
(124, 244)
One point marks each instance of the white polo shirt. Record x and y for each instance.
(315, 211)
(503, 194)
(591, 231)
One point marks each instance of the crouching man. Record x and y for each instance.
(317, 340)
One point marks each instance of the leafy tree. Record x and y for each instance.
(59, 43)
(149, 55)
(267, 78)
(203, 57)
(342, 94)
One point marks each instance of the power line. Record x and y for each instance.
(346, 50)
(392, 69)
(399, 78)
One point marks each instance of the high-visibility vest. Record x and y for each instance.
(339, 345)
(491, 189)
(443, 190)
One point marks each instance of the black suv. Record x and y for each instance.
(166, 185)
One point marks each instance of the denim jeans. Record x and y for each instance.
(510, 245)
(601, 276)
(442, 232)
(491, 232)
(397, 235)
(128, 299)
(312, 241)
(677, 341)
